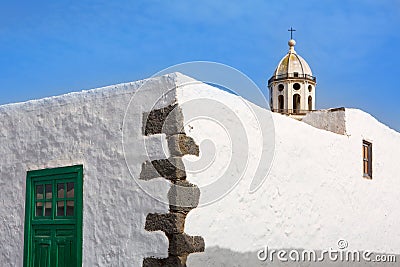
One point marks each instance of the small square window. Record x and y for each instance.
(39, 209)
(60, 190)
(49, 191)
(60, 208)
(70, 208)
(367, 159)
(39, 191)
(47, 208)
(70, 190)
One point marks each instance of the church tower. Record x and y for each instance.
(292, 86)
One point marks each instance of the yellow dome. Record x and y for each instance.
(292, 66)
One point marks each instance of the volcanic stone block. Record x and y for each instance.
(183, 244)
(170, 223)
(171, 261)
(181, 144)
(168, 120)
(171, 169)
(183, 196)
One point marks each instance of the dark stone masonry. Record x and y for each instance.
(183, 196)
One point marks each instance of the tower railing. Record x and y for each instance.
(292, 111)
(292, 76)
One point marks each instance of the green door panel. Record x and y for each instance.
(41, 252)
(65, 255)
(65, 243)
(54, 245)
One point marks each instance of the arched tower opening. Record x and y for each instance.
(296, 103)
(281, 103)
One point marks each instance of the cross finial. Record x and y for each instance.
(291, 30)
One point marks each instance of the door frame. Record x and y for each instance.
(31, 177)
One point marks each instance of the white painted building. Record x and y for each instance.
(130, 175)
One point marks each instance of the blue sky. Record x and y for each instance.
(53, 47)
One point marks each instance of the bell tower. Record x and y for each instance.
(292, 86)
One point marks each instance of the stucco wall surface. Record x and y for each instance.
(86, 128)
(313, 196)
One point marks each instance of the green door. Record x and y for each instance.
(53, 223)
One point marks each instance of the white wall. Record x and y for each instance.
(86, 128)
(315, 193)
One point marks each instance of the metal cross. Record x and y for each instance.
(291, 30)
